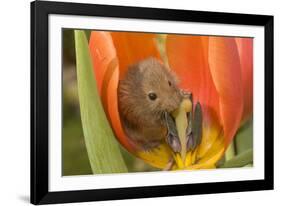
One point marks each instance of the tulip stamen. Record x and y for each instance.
(189, 130)
(179, 161)
(182, 124)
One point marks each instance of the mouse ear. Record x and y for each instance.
(133, 76)
(134, 68)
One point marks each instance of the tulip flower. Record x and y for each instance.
(217, 70)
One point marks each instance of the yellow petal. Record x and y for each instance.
(213, 155)
(158, 157)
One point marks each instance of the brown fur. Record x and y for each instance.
(142, 118)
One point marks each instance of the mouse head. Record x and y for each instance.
(159, 86)
(149, 89)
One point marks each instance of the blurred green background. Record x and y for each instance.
(75, 159)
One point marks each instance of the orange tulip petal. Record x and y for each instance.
(186, 60)
(226, 72)
(107, 75)
(102, 52)
(187, 57)
(245, 49)
(133, 47)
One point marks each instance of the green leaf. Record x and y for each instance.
(88, 34)
(244, 137)
(102, 147)
(241, 160)
(230, 152)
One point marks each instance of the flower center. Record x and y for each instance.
(189, 127)
(190, 159)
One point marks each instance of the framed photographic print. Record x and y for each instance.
(131, 102)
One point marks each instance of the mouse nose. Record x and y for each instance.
(175, 101)
(186, 94)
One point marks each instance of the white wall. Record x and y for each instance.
(14, 102)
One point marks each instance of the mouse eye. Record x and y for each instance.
(152, 96)
(169, 82)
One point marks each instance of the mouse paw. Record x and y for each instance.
(174, 142)
(172, 137)
(151, 145)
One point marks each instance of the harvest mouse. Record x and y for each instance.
(146, 97)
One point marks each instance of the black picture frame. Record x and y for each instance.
(40, 96)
